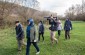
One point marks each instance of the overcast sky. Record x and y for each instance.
(58, 6)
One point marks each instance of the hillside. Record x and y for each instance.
(10, 12)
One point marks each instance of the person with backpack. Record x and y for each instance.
(19, 35)
(31, 36)
(67, 28)
(59, 28)
(41, 30)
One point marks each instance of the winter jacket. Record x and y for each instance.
(67, 25)
(19, 32)
(53, 23)
(41, 28)
(59, 27)
(31, 32)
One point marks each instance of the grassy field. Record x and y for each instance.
(74, 46)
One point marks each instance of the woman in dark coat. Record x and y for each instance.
(41, 30)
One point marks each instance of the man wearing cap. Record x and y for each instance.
(19, 35)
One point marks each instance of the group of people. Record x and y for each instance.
(31, 33)
(56, 25)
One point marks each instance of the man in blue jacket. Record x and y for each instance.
(19, 35)
(31, 36)
(67, 28)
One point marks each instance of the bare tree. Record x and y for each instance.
(25, 12)
(76, 12)
(5, 10)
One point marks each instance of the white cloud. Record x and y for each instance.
(58, 6)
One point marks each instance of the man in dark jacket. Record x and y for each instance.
(19, 35)
(67, 28)
(41, 30)
(53, 28)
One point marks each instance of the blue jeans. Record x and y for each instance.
(28, 47)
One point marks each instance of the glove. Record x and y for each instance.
(35, 40)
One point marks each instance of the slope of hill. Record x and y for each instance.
(10, 12)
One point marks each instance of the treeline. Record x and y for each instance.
(76, 12)
(9, 12)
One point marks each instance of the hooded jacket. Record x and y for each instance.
(31, 32)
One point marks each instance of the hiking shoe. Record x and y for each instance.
(56, 41)
(37, 53)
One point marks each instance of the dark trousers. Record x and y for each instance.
(40, 35)
(59, 32)
(67, 34)
(28, 47)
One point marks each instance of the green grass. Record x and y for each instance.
(74, 46)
